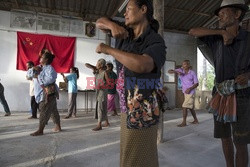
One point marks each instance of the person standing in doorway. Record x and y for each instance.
(3, 101)
(230, 48)
(189, 82)
(71, 79)
(112, 91)
(33, 103)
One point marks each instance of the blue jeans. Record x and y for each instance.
(2, 99)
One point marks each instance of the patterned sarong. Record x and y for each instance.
(223, 104)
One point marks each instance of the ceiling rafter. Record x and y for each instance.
(116, 9)
(188, 11)
(53, 4)
(212, 6)
(108, 6)
(182, 22)
(39, 2)
(46, 3)
(82, 6)
(100, 8)
(92, 6)
(109, 10)
(87, 10)
(61, 4)
(17, 4)
(77, 6)
(32, 3)
(5, 6)
(203, 22)
(49, 4)
(67, 2)
(49, 11)
(210, 21)
(170, 11)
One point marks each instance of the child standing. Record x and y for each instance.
(112, 91)
(71, 79)
(33, 103)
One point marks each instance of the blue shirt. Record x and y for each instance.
(47, 76)
(29, 73)
(72, 83)
(38, 91)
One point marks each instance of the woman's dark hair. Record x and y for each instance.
(75, 69)
(110, 65)
(150, 13)
(30, 63)
(49, 57)
(44, 50)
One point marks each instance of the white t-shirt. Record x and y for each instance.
(31, 88)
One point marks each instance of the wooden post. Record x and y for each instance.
(159, 15)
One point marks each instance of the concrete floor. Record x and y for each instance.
(78, 146)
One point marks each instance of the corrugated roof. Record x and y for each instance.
(88, 10)
(180, 15)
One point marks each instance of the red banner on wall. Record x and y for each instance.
(29, 45)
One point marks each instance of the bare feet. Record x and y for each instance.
(36, 133)
(195, 122)
(106, 125)
(74, 115)
(97, 128)
(7, 114)
(56, 130)
(182, 125)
